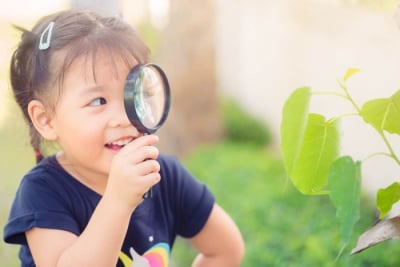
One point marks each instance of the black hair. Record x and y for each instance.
(34, 73)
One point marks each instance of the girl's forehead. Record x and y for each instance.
(99, 65)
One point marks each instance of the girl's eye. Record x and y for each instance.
(98, 101)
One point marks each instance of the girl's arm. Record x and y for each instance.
(99, 244)
(219, 243)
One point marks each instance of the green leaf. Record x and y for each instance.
(383, 113)
(344, 180)
(350, 72)
(293, 124)
(319, 148)
(386, 198)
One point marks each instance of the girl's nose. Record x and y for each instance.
(119, 118)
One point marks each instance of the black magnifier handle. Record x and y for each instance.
(148, 194)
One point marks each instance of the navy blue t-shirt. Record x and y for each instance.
(48, 197)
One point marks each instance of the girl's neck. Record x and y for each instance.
(95, 181)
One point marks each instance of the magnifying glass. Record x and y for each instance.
(147, 99)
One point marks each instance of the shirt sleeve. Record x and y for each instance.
(38, 203)
(192, 200)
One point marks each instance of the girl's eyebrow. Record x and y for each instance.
(91, 89)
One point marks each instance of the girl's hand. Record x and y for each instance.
(134, 170)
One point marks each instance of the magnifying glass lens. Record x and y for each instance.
(149, 97)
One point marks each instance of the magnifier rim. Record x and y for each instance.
(129, 99)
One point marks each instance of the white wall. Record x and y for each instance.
(267, 48)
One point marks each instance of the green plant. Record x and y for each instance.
(310, 148)
(240, 126)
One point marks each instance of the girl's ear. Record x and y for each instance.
(41, 119)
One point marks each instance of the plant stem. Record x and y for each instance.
(377, 154)
(346, 91)
(393, 155)
(332, 120)
(389, 146)
(330, 93)
(358, 109)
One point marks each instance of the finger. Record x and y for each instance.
(143, 154)
(146, 182)
(150, 152)
(149, 192)
(136, 154)
(152, 179)
(145, 140)
(147, 167)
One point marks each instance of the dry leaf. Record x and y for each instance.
(384, 230)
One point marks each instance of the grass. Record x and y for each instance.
(281, 227)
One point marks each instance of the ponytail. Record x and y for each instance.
(35, 142)
(39, 156)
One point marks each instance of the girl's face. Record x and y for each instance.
(90, 119)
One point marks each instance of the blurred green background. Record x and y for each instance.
(223, 140)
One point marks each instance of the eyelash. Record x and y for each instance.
(95, 102)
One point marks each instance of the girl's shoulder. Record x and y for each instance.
(49, 175)
(167, 159)
(171, 168)
(45, 170)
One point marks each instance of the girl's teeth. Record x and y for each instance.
(121, 142)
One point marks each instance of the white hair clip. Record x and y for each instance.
(45, 44)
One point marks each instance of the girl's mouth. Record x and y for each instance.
(118, 144)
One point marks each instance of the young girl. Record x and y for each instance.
(84, 206)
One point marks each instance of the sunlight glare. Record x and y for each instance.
(159, 11)
(19, 9)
